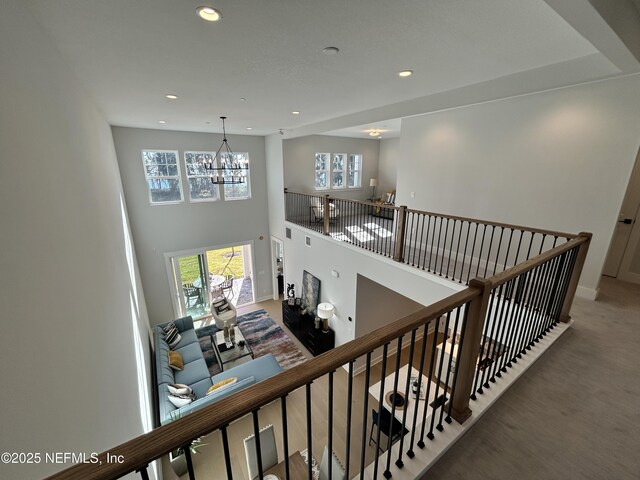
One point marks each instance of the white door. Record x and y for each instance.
(623, 259)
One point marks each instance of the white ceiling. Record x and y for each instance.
(129, 54)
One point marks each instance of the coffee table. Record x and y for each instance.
(228, 357)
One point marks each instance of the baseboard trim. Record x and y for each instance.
(587, 293)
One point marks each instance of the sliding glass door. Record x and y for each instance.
(198, 277)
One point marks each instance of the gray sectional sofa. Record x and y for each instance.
(196, 374)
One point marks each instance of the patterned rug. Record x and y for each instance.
(263, 336)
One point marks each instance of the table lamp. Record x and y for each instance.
(325, 312)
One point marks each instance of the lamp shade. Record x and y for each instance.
(325, 310)
(373, 182)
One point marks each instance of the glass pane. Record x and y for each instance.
(152, 170)
(170, 158)
(354, 162)
(172, 170)
(201, 188)
(338, 179)
(338, 161)
(164, 190)
(321, 180)
(236, 191)
(194, 285)
(322, 161)
(163, 171)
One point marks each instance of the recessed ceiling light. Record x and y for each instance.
(249, 128)
(295, 112)
(330, 50)
(405, 73)
(171, 96)
(374, 133)
(209, 14)
(242, 99)
(162, 122)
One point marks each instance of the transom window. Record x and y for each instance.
(236, 191)
(338, 171)
(162, 173)
(354, 171)
(322, 171)
(199, 178)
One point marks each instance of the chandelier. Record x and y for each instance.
(231, 170)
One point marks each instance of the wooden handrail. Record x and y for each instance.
(140, 451)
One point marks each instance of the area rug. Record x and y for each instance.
(263, 336)
(315, 468)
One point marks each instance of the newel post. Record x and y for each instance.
(575, 277)
(468, 355)
(326, 215)
(398, 254)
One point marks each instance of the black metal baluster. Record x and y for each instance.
(544, 236)
(349, 408)
(464, 255)
(380, 406)
(256, 434)
(429, 382)
(455, 262)
(453, 236)
(566, 276)
(486, 265)
(530, 246)
(430, 435)
(549, 277)
(435, 265)
(187, 456)
(481, 358)
(495, 266)
(365, 415)
(529, 323)
(399, 462)
(475, 236)
(309, 432)
(446, 382)
(524, 309)
(506, 257)
(515, 260)
(411, 252)
(143, 472)
(330, 423)
(444, 246)
(422, 245)
(460, 346)
(410, 452)
(499, 334)
(227, 455)
(285, 435)
(508, 333)
(484, 231)
(427, 246)
(433, 238)
(387, 472)
(512, 324)
(540, 295)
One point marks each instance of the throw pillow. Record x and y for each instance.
(180, 400)
(168, 327)
(173, 337)
(179, 389)
(175, 361)
(222, 384)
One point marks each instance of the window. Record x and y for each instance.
(236, 191)
(162, 173)
(354, 171)
(322, 171)
(199, 178)
(337, 170)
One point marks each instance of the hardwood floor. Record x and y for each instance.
(209, 462)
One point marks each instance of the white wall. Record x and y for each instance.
(558, 160)
(275, 184)
(159, 229)
(326, 254)
(299, 169)
(75, 340)
(388, 164)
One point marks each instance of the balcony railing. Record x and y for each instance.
(457, 347)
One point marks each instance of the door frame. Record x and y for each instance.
(274, 267)
(177, 302)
